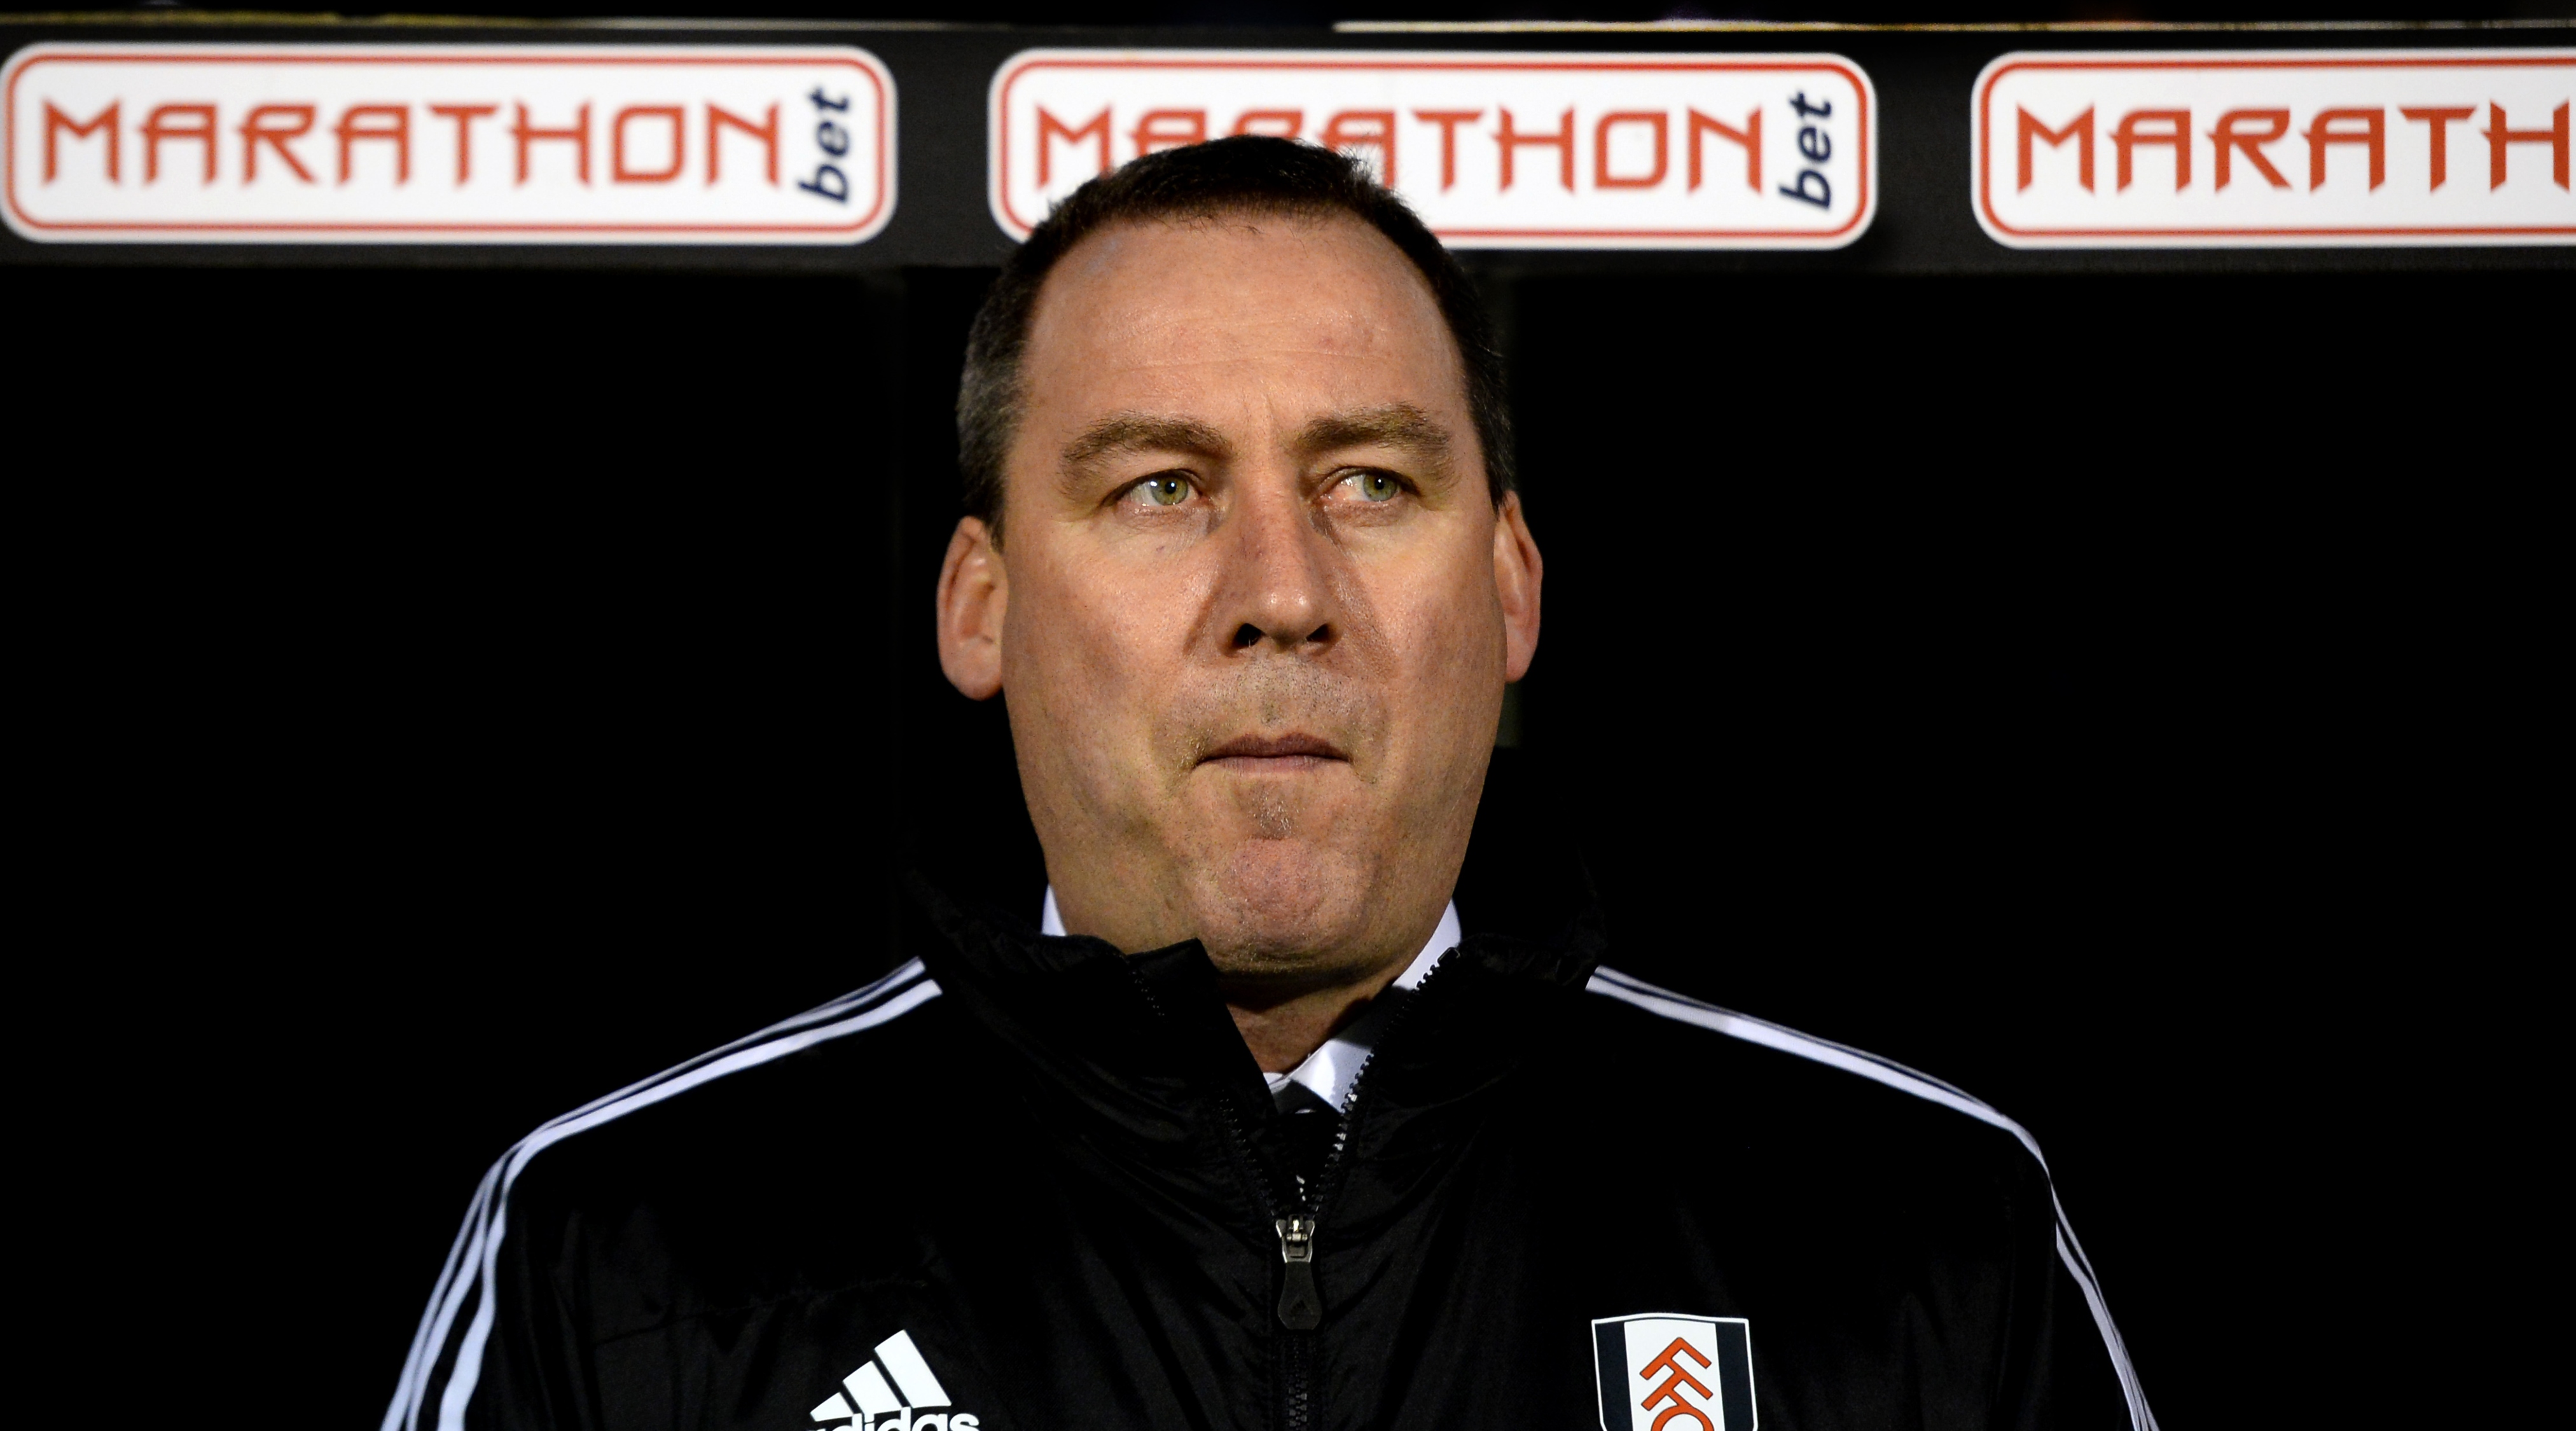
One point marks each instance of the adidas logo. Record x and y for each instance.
(893, 1391)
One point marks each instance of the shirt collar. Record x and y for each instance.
(1330, 1071)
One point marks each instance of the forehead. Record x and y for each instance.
(1172, 313)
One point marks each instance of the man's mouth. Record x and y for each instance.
(1256, 754)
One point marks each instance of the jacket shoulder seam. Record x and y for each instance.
(1781, 1038)
(751, 1304)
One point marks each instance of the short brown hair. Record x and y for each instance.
(1246, 173)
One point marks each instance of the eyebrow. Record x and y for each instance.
(1398, 425)
(1139, 432)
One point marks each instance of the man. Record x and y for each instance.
(1308, 1105)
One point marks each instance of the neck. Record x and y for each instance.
(1282, 1032)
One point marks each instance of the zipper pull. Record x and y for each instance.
(1300, 1310)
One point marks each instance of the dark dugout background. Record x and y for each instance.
(2121, 695)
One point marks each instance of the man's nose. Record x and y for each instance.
(1278, 586)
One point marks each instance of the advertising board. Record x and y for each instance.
(2248, 148)
(210, 143)
(1494, 150)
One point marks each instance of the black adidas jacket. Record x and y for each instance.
(1025, 1184)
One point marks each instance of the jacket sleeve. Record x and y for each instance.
(498, 1347)
(2064, 1367)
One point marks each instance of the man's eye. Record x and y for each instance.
(1375, 486)
(1165, 491)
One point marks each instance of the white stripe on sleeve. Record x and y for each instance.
(473, 1262)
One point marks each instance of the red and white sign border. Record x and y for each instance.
(997, 129)
(1981, 134)
(864, 227)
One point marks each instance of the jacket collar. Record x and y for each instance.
(1139, 1054)
(1326, 1075)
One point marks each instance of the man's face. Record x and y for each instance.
(1257, 607)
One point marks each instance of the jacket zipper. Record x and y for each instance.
(1301, 1307)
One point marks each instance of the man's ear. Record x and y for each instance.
(1517, 570)
(974, 589)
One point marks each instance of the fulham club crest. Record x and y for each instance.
(1662, 1371)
